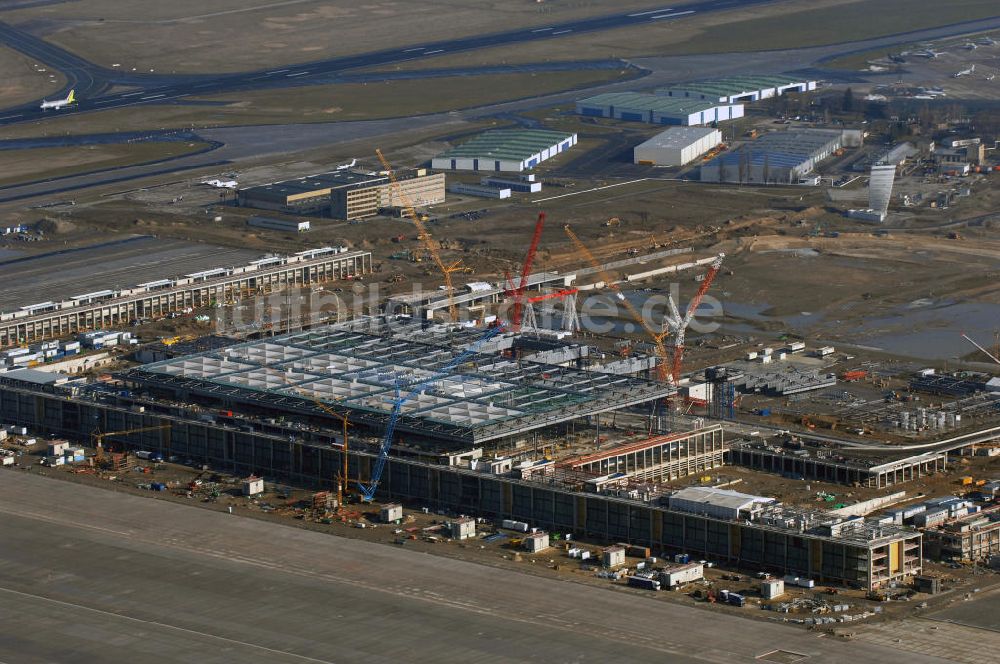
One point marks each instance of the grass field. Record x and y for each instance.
(784, 25)
(324, 103)
(26, 165)
(237, 35)
(22, 80)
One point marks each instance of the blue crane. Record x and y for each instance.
(403, 394)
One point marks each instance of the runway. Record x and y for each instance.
(89, 575)
(91, 81)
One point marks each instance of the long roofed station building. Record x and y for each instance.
(505, 150)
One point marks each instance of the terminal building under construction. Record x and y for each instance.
(482, 429)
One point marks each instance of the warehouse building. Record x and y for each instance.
(738, 89)
(781, 157)
(677, 146)
(344, 194)
(273, 224)
(505, 150)
(480, 190)
(657, 109)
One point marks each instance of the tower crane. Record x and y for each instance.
(424, 236)
(517, 293)
(404, 393)
(609, 282)
(98, 438)
(681, 324)
(995, 358)
(342, 480)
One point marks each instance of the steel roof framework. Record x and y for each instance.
(356, 372)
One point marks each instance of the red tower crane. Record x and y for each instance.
(678, 347)
(517, 293)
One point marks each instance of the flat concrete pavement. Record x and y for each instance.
(88, 575)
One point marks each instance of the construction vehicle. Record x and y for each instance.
(405, 392)
(424, 236)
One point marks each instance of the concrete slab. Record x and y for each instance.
(93, 575)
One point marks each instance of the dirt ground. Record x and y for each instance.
(25, 80)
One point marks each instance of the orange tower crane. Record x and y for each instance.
(424, 236)
(609, 282)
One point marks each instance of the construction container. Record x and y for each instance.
(637, 551)
(519, 526)
(802, 582)
(463, 528)
(613, 556)
(536, 542)
(253, 486)
(772, 588)
(391, 513)
(60, 446)
(678, 576)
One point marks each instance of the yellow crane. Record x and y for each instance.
(424, 236)
(342, 479)
(98, 438)
(656, 336)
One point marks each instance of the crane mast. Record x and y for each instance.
(529, 260)
(678, 349)
(424, 236)
(609, 282)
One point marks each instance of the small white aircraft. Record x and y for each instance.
(965, 72)
(59, 103)
(222, 184)
(344, 167)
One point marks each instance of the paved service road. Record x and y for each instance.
(88, 575)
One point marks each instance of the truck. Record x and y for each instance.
(146, 455)
(643, 582)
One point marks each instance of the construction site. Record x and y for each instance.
(563, 398)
